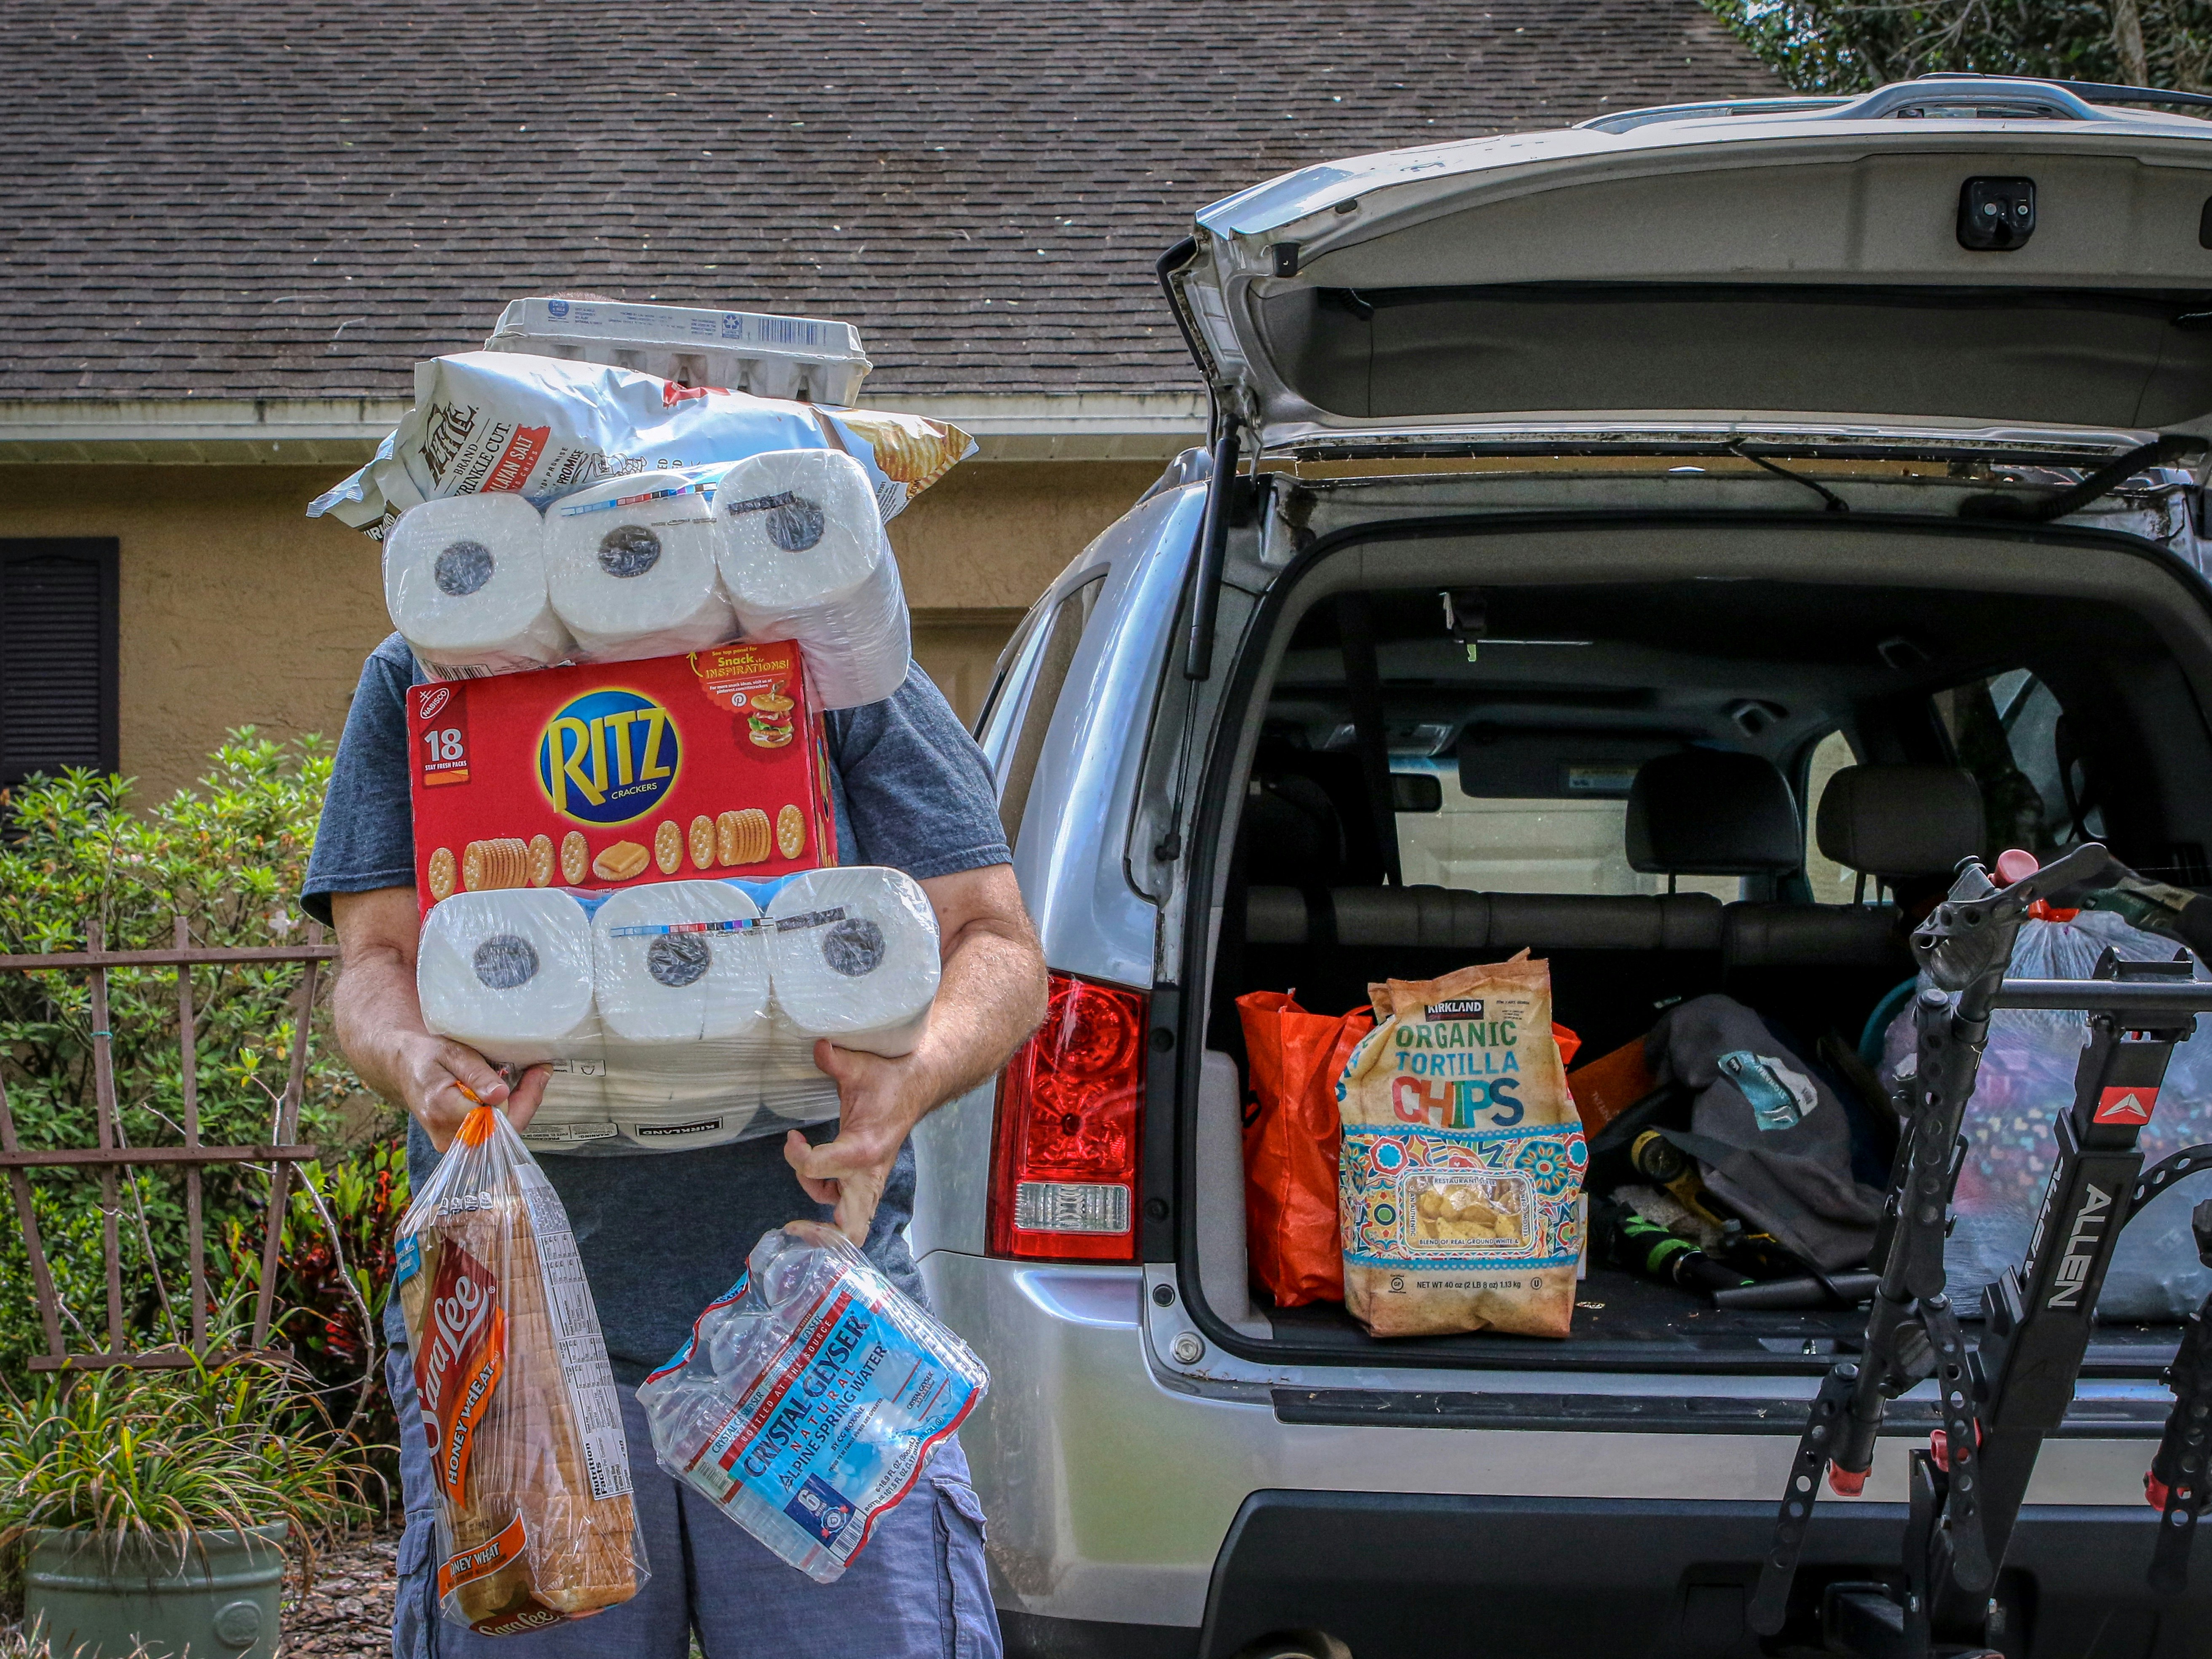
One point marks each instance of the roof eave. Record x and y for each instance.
(1085, 426)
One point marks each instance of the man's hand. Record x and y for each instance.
(380, 1029)
(990, 997)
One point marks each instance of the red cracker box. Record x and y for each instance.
(603, 776)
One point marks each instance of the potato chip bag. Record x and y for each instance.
(1457, 1188)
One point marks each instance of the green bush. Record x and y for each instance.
(233, 1445)
(333, 1277)
(228, 858)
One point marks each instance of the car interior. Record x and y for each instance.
(1676, 787)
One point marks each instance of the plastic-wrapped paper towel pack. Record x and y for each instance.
(487, 422)
(630, 565)
(676, 1013)
(783, 546)
(803, 557)
(464, 580)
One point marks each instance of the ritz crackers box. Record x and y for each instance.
(611, 775)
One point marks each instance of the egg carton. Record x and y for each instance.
(803, 358)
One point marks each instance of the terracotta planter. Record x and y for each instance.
(102, 1595)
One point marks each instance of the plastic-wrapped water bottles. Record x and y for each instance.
(807, 1399)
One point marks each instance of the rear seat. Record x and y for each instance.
(1701, 813)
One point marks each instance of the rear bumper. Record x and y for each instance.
(1575, 1578)
(1121, 1493)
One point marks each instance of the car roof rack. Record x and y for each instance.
(2063, 99)
(2094, 92)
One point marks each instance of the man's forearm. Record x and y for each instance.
(990, 997)
(374, 1007)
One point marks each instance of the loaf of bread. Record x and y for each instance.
(536, 1518)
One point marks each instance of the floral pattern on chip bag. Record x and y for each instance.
(1459, 1185)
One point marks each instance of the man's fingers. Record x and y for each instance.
(857, 1208)
(529, 1093)
(829, 1176)
(858, 1195)
(475, 1073)
(797, 1152)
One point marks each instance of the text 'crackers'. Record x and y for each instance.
(614, 774)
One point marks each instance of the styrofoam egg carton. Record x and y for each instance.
(806, 359)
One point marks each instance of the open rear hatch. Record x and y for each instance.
(1896, 269)
(1995, 282)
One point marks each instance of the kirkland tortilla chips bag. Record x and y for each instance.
(1462, 1165)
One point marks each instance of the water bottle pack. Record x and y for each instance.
(808, 1399)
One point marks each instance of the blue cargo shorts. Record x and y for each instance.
(917, 1591)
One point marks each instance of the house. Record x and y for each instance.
(232, 230)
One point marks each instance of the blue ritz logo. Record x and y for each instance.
(608, 757)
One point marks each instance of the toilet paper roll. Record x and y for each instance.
(630, 566)
(853, 957)
(803, 557)
(670, 971)
(464, 580)
(509, 972)
(792, 1089)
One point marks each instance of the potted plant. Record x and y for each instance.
(153, 1507)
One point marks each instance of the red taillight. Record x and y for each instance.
(1070, 1115)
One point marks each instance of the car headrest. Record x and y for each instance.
(1706, 813)
(1293, 833)
(1891, 821)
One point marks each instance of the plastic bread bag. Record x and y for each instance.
(681, 1014)
(2027, 1080)
(536, 1524)
(806, 1401)
(484, 421)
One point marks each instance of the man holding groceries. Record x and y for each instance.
(662, 1234)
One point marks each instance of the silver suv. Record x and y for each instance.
(1855, 436)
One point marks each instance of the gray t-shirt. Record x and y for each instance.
(663, 1234)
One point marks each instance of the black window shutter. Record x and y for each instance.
(57, 657)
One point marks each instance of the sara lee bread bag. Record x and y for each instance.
(535, 1521)
(1462, 1164)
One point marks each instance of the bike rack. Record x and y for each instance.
(2000, 1401)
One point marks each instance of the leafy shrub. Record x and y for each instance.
(164, 1452)
(227, 858)
(334, 1276)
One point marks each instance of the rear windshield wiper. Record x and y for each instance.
(1835, 502)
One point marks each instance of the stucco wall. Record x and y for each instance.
(236, 609)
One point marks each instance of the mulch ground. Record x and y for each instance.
(347, 1614)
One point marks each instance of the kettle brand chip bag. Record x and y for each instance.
(1462, 1164)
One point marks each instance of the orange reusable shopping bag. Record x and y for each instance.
(1291, 1134)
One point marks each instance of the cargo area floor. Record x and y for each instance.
(1625, 1323)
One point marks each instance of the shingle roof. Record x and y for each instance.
(247, 198)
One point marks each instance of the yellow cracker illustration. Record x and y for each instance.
(442, 873)
(576, 857)
(791, 832)
(703, 843)
(541, 861)
(491, 864)
(668, 846)
(621, 861)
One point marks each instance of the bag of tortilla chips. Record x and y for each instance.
(1463, 1160)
